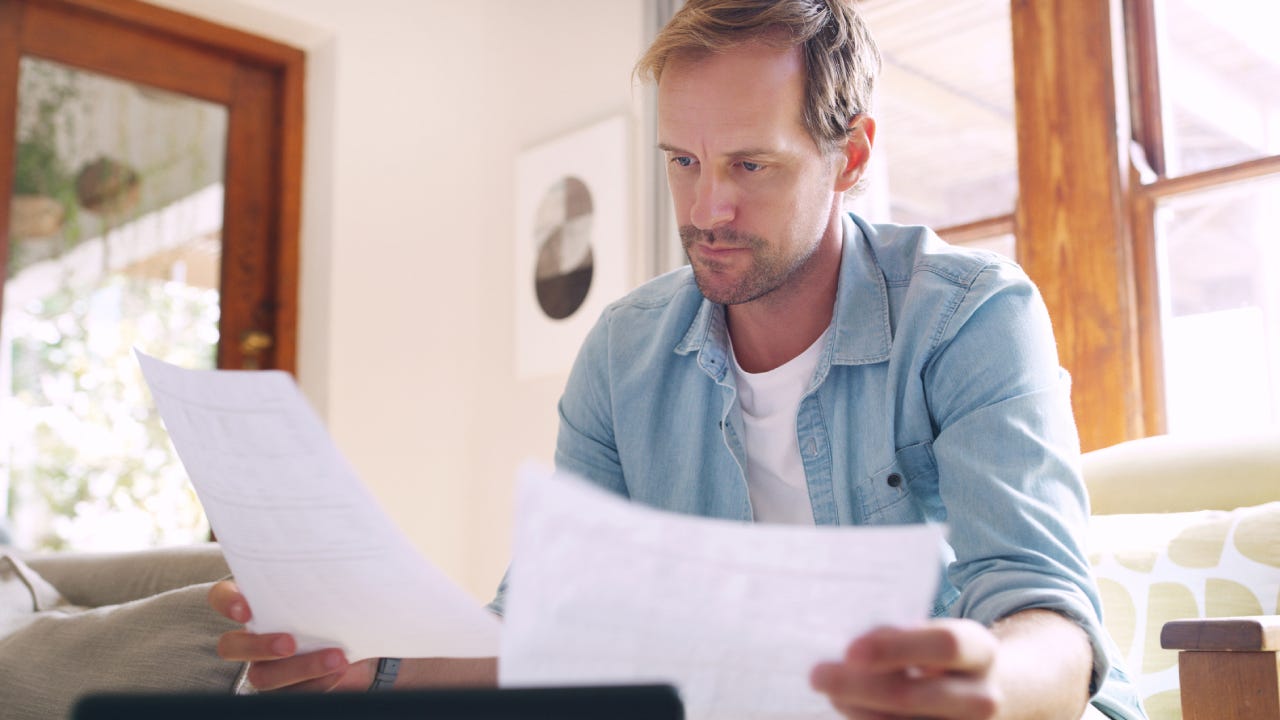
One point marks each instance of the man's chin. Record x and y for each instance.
(718, 291)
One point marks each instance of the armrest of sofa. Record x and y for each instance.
(1227, 667)
(1184, 473)
(98, 579)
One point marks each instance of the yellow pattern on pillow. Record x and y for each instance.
(1258, 538)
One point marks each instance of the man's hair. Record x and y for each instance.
(841, 58)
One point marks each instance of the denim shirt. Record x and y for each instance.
(938, 398)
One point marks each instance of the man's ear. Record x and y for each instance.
(856, 151)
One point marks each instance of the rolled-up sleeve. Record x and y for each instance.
(1008, 453)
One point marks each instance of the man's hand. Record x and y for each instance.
(942, 670)
(273, 658)
(1034, 664)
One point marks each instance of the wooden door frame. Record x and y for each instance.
(264, 207)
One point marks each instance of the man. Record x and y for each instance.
(809, 367)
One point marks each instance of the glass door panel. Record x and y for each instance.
(1219, 258)
(946, 142)
(1220, 82)
(115, 242)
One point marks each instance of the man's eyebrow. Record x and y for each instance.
(754, 152)
(745, 152)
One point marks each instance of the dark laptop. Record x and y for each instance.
(622, 702)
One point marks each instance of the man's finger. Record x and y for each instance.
(947, 645)
(320, 684)
(226, 600)
(244, 646)
(299, 670)
(857, 694)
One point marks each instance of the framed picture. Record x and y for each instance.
(572, 242)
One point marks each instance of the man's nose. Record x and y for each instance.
(713, 202)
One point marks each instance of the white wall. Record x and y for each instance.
(416, 113)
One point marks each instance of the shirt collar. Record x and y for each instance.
(863, 334)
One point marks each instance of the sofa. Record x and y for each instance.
(1181, 528)
(1188, 528)
(76, 623)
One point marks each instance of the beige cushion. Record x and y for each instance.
(96, 579)
(53, 652)
(1153, 568)
(1184, 473)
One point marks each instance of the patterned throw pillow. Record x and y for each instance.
(1160, 567)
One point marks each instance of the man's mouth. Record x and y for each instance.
(713, 246)
(719, 247)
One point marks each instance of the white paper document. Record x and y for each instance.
(311, 549)
(602, 590)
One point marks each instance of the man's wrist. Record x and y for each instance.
(384, 675)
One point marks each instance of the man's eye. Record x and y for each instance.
(682, 160)
(751, 166)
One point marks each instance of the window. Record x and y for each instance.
(115, 241)
(153, 201)
(946, 145)
(1160, 262)
(1219, 270)
(1207, 117)
(1219, 71)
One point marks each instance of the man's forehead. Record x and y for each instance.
(747, 99)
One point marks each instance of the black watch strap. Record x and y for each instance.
(385, 676)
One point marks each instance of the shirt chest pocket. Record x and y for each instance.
(903, 491)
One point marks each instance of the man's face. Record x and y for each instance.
(753, 194)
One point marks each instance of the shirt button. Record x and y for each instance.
(894, 480)
(811, 447)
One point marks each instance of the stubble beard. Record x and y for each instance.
(768, 270)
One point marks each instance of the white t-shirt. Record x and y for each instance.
(770, 402)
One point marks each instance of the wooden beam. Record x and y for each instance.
(249, 269)
(190, 30)
(123, 50)
(1240, 172)
(1147, 116)
(1071, 216)
(1142, 216)
(10, 28)
(291, 139)
(978, 229)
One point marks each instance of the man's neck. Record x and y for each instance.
(772, 330)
